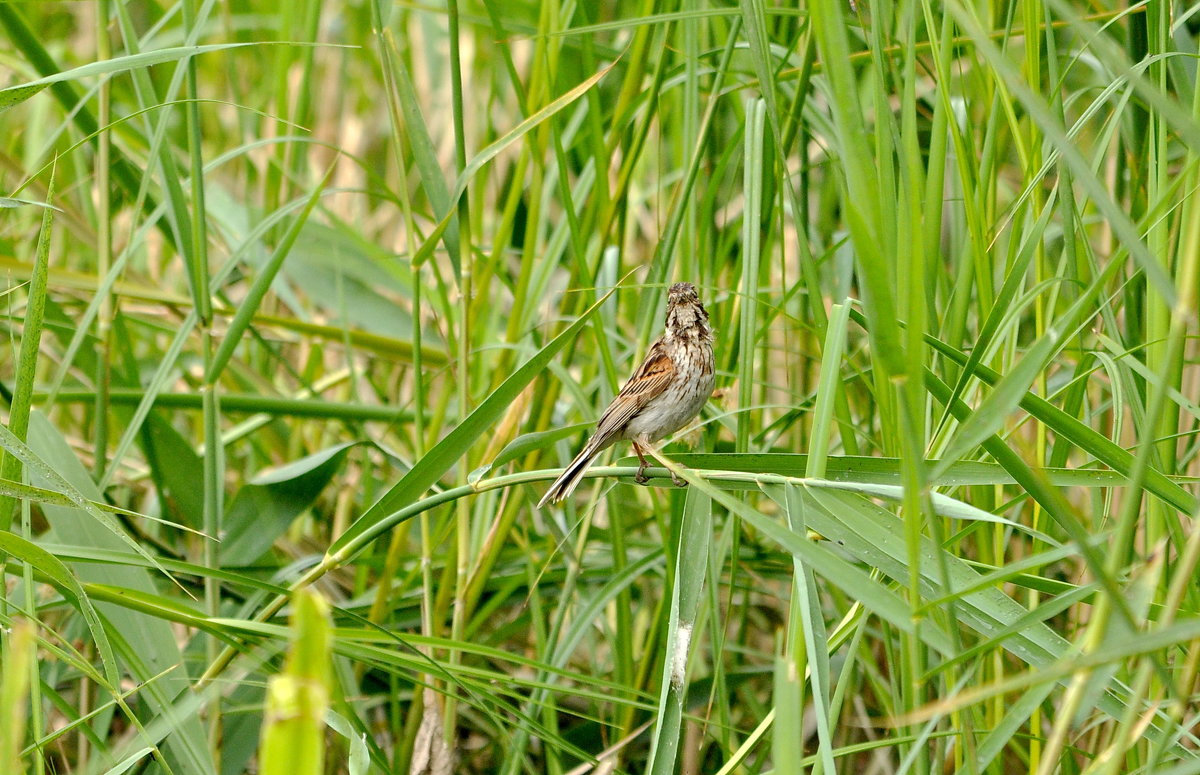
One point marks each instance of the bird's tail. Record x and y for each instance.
(566, 484)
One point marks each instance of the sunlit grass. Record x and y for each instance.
(304, 297)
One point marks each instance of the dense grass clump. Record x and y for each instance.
(309, 302)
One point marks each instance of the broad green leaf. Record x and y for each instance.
(264, 508)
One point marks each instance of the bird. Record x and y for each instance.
(666, 391)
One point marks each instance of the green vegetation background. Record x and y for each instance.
(308, 302)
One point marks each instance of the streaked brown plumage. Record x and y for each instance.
(666, 391)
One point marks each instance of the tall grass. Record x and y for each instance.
(320, 297)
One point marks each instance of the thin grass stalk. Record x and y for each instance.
(809, 643)
(14, 470)
(832, 355)
(36, 715)
(1189, 559)
(214, 511)
(463, 371)
(104, 217)
(656, 277)
(688, 263)
(27, 357)
(1071, 260)
(678, 211)
(383, 599)
(1162, 355)
(195, 256)
(274, 181)
(296, 163)
(753, 161)
(179, 220)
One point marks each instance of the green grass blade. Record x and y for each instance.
(691, 565)
(425, 472)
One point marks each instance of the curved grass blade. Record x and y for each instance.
(455, 444)
(58, 574)
(520, 130)
(36, 466)
(27, 356)
(14, 95)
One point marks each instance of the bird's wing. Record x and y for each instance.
(650, 380)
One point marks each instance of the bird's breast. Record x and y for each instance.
(681, 400)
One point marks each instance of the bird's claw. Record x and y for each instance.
(641, 478)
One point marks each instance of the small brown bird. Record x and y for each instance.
(662, 396)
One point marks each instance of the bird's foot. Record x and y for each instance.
(678, 482)
(640, 477)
